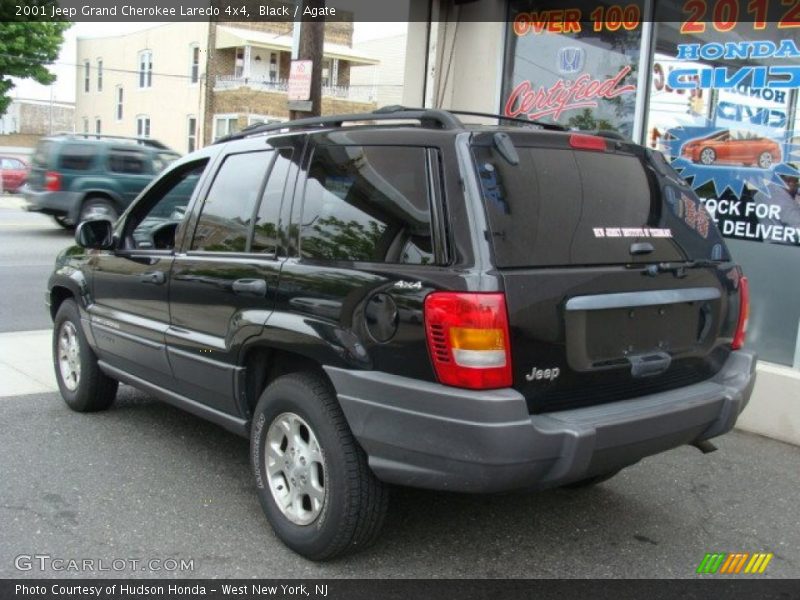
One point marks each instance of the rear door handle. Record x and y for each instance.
(250, 287)
(154, 277)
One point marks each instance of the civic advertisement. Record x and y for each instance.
(722, 109)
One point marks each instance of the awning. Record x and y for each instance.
(232, 37)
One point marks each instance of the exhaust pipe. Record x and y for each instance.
(704, 446)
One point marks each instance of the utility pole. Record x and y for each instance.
(310, 47)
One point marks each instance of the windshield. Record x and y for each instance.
(566, 207)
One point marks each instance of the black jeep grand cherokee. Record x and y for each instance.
(415, 302)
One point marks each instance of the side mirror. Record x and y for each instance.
(96, 235)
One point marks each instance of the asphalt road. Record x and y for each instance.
(147, 481)
(29, 243)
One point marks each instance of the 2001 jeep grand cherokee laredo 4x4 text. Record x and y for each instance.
(426, 304)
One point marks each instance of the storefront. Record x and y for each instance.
(716, 91)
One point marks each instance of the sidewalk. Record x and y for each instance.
(26, 363)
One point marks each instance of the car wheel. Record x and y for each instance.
(63, 221)
(591, 481)
(84, 387)
(765, 160)
(98, 208)
(708, 156)
(313, 480)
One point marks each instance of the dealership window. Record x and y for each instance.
(194, 68)
(722, 108)
(225, 125)
(143, 126)
(86, 75)
(99, 74)
(191, 123)
(119, 99)
(145, 69)
(581, 72)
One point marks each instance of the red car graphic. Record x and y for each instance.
(733, 147)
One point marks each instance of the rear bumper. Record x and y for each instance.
(52, 203)
(428, 435)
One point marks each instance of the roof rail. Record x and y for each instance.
(543, 125)
(432, 118)
(140, 140)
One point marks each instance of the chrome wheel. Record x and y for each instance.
(69, 356)
(295, 469)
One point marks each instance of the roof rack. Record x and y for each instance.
(428, 117)
(541, 124)
(140, 140)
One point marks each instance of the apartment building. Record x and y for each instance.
(189, 83)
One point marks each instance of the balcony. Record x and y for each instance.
(352, 93)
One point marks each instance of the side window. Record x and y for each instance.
(367, 203)
(224, 223)
(155, 219)
(77, 157)
(265, 232)
(128, 161)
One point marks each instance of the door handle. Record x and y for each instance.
(154, 277)
(250, 287)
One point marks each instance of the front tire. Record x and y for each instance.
(84, 387)
(313, 481)
(708, 156)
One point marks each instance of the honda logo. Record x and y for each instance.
(571, 59)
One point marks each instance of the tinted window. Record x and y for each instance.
(565, 207)
(265, 232)
(224, 224)
(368, 203)
(78, 157)
(126, 161)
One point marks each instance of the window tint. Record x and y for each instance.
(155, 220)
(367, 203)
(224, 224)
(122, 161)
(77, 157)
(565, 207)
(265, 232)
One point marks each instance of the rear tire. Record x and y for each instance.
(591, 481)
(313, 481)
(84, 387)
(63, 221)
(96, 207)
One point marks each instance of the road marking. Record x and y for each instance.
(26, 363)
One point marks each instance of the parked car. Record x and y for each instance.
(14, 172)
(78, 177)
(733, 147)
(423, 303)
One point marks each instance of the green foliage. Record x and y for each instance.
(26, 47)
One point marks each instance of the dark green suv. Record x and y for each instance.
(74, 178)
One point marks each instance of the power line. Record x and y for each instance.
(80, 66)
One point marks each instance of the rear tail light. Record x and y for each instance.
(587, 142)
(744, 314)
(468, 339)
(52, 181)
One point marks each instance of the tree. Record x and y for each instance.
(26, 47)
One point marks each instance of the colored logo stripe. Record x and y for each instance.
(733, 563)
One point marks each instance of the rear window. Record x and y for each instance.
(41, 154)
(567, 207)
(77, 157)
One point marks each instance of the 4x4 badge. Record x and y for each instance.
(549, 374)
(408, 285)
